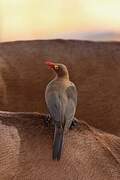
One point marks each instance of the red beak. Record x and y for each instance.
(50, 64)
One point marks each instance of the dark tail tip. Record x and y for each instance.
(57, 144)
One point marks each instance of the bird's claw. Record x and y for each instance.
(47, 120)
(75, 123)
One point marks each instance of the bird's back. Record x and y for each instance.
(61, 98)
(56, 99)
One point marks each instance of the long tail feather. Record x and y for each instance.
(58, 142)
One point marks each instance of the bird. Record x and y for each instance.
(61, 101)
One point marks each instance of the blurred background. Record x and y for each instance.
(97, 20)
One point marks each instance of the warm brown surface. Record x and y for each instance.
(26, 148)
(93, 66)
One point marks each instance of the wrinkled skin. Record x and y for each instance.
(89, 154)
(94, 68)
(9, 151)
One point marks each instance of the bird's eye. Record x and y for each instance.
(56, 67)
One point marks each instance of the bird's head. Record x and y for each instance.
(60, 69)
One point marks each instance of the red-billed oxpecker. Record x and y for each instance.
(61, 100)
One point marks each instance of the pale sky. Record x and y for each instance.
(44, 19)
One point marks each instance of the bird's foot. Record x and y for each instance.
(47, 120)
(75, 123)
